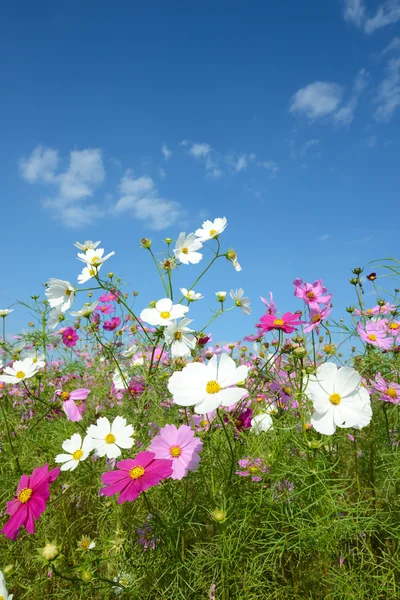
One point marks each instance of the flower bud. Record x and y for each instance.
(381, 302)
(110, 275)
(220, 296)
(146, 243)
(371, 276)
(152, 304)
(50, 551)
(219, 515)
(168, 240)
(357, 271)
(350, 309)
(90, 294)
(300, 352)
(354, 280)
(8, 569)
(87, 576)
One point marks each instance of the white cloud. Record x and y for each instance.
(354, 11)
(345, 115)
(393, 46)
(303, 149)
(205, 153)
(387, 13)
(269, 165)
(72, 186)
(199, 150)
(139, 197)
(166, 152)
(388, 95)
(323, 238)
(317, 100)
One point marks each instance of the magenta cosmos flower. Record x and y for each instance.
(30, 501)
(179, 445)
(286, 322)
(69, 337)
(388, 392)
(112, 324)
(105, 309)
(73, 412)
(375, 335)
(312, 294)
(135, 475)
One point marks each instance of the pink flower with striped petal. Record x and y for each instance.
(179, 445)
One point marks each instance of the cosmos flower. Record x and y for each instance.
(286, 322)
(93, 257)
(243, 303)
(77, 451)
(69, 337)
(252, 467)
(179, 445)
(312, 294)
(73, 412)
(375, 335)
(87, 245)
(108, 439)
(86, 311)
(388, 392)
(261, 422)
(211, 229)
(317, 315)
(180, 338)
(164, 312)
(186, 249)
(5, 311)
(60, 294)
(3, 590)
(20, 370)
(190, 295)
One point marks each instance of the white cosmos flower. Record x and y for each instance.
(20, 370)
(120, 379)
(109, 438)
(338, 398)
(77, 451)
(206, 387)
(130, 351)
(37, 357)
(88, 273)
(5, 311)
(86, 311)
(261, 422)
(3, 589)
(94, 257)
(190, 295)
(164, 312)
(220, 296)
(243, 303)
(211, 229)
(87, 245)
(178, 335)
(138, 360)
(60, 294)
(55, 318)
(186, 249)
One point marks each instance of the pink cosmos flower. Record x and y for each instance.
(389, 392)
(271, 306)
(286, 322)
(112, 324)
(375, 335)
(392, 327)
(105, 309)
(107, 297)
(69, 337)
(316, 317)
(179, 445)
(376, 310)
(253, 467)
(135, 475)
(30, 501)
(73, 412)
(311, 293)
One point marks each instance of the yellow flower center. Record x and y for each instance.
(175, 451)
(394, 326)
(253, 469)
(203, 423)
(316, 318)
(372, 337)
(92, 272)
(212, 232)
(136, 472)
(278, 322)
(178, 335)
(84, 544)
(25, 495)
(165, 314)
(185, 250)
(213, 387)
(77, 455)
(391, 392)
(68, 292)
(310, 295)
(65, 396)
(335, 399)
(2, 598)
(369, 310)
(287, 390)
(96, 261)
(20, 375)
(110, 438)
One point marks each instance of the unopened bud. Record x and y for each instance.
(219, 515)
(87, 576)
(146, 243)
(357, 271)
(168, 240)
(50, 551)
(300, 352)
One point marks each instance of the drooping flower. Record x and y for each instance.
(206, 387)
(338, 398)
(287, 322)
(271, 306)
(243, 303)
(20, 370)
(190, 295)
(179, 445)
(88, 273)
(109, 438)
(135, 475)
(312, 294)
(164, 312)
(30, 501)
(211, 229)
(60, 294)
(186, 249)
(71, 409)
(77, 451)
(3, 590)
(55, 318)
(252, 467)
(180, 338)
(232, 257)
(69, 337)
(375, 335)
(388, 392)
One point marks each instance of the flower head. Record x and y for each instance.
(261, 422)
(93, 257)
(69, 337)
(375, 335)
(186, 249)
(20, 370)
(317, 315)
(190, 295)
(86, 311)
(313, 294)
(5, 311)
(164, 312)
(180, 338)
(77, 451)
(243, 303)
(388, 391)
(211, 229)
(60, 294)
(252, 467)
(286, 322)
(179, 445)
(108, 439)
(73, 412)
(87, 245)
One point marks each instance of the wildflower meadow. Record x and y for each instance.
(141, 459)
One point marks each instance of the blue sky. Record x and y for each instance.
(131, 119)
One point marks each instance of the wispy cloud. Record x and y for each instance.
(140, 198)
(387, 13)
(317, 100)
(388, 94)
(345, 115)
(72, 187)
(204, 153)
(166, 152)
(299, 154)
(323, 237)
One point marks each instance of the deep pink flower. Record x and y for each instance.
(271, 306)
(389, 392)
(179, 445)
(312, 294)
(375, 335)
(203, 341)
(112, 324)
(73, 412)
(135, 475)
(286, 322)
(316, 317)
(105, 309)
(107, 297)
(69, 337)
(30, 501)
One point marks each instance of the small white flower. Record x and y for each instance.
(60, 294)
(186, 249)
(211, 229)
(77, 451)
(206, 387)
(20, 370)
(261, 422)
(94, 257)
(220, 296)
(243, 303)
(3, 590)
(88, 273)
(190, 295)
(87, 245)
(36, 357)
(5, 311)
(178, 335)
(55, 318)
(130, 351)
(164, 312)
(86, 311)
(109, 438)
(120, 379)
(137, 360)
(338, 398)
